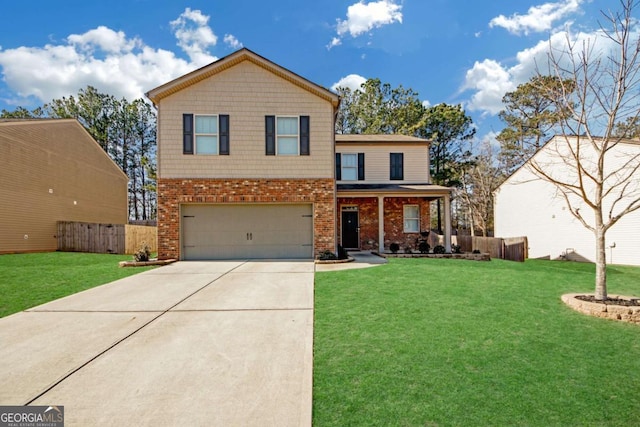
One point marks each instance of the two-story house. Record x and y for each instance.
(249, 166)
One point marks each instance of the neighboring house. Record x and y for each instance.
(526, 205)
(53, 170)
(247, 169)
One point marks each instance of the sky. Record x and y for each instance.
(456, 52)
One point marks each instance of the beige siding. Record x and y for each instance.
(247, 92)
(54, 171)
(376, 161)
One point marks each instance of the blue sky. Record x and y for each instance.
(468, 52)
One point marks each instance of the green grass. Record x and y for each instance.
(432, 342)
(27, 280)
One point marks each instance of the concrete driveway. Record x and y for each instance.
(224, 343)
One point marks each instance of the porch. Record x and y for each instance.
(373, 216)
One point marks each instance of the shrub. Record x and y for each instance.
(456, 249)
(327, 255)
(394, 247)
(143, 254)
(439, 249)
(408, 250)
(424, 247)
(475, 251)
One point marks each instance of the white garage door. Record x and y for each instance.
(247, 231)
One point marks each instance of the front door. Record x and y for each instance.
(350, 230)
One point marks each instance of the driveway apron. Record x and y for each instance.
(192, 343)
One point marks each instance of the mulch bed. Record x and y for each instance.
(633, 302)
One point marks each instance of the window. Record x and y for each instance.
(350, 166)
(411, 219)
(205, 134)
(397, 167)
(287, 136)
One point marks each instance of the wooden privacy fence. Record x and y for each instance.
(105, 238)
(513, 248)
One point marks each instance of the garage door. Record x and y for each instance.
(247, 231)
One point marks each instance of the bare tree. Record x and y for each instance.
(479, 180)
(592, 167)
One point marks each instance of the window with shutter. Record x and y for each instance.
(205, 134)
(287, 135)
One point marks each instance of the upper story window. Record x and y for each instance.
(350, 166)
(396, 161)
(287, 135)
(205, 134)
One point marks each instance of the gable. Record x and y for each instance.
(228, 62)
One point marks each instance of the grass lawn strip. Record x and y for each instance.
(447, 342)
(28, 280)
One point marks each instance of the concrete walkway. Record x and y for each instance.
(192, 343)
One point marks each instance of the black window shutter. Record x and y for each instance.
(338, 167)
(270, 135)
(397, 167)
(187, 134)
(223, 124)
(360, 166)
(304, 135)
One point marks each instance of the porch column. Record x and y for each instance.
(381, 224)
(447, 223)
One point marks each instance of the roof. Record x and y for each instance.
(379, 138)
(244, 54)
(408, 189)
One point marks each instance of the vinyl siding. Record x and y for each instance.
(377, 157)
(248, 93)
(528, 206)
(54, 171)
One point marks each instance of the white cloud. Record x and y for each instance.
(107, 60)
(364, 17)
(194, 35)
(104, 39)
(489, 80)
(352, 81)
(232, 41)
(538, 18)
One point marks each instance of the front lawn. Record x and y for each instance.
(438, 342)
(27, 280)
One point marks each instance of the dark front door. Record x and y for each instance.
(350, 230)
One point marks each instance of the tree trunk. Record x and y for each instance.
(601, 261)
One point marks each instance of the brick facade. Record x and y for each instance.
(174, 192)
(393, 220)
